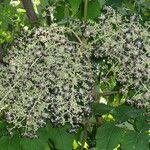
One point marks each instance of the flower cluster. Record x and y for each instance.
(49, 77)
(123, 44)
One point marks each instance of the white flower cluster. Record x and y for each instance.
(123, 44)
(49, 77)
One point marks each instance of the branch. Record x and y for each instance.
(1, 54)
(109, 93)
(84, 138)
(28, 6)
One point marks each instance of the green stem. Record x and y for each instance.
(84, 138)
(85, 9)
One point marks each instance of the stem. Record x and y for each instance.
(28, 6)
(1, 54)
(78, 38)
(108, 93)
(85, 9)
(84, 135)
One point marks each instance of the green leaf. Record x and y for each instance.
(126, 125)
(59, 12)
(108, 136)
(141, 123)
(124, 112)
(3, 129)
(93, 9)
(10, 143)
(135, 141)
(100, 109)
(75, 5)
(94, 148)
(112, 82)
(101, 2)
(114, 2)
(33, 144)
(39, 143)
(60, 138)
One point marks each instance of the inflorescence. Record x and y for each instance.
(49, 77)
(123, 44)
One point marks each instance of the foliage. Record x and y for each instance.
(12, 17)
(48, 98)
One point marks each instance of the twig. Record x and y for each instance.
(1, 54)
(86, 124)
(78, 38)
(109, 93)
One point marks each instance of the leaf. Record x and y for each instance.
(94, 148)
(39, 143)
(135, 141)
(114, 2)
(100, 109)
(108, 136)
(59, 12)
(124, 112)
(3, 129)
(126, 125)
(75, 5)
(101, 2)
(93, 9)
(141, 123)
(60, 138)
(10, 143)
(112, 82)
(33, 144)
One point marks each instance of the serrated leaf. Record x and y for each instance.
(75, 5)
(108, 136)
(135, 141)
(93, 9)
(100, 109)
